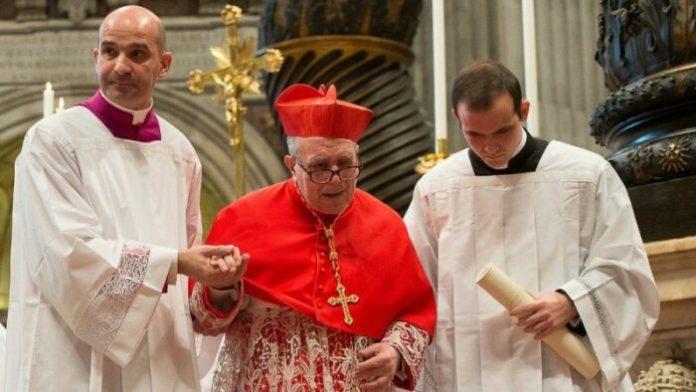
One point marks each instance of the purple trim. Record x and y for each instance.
(120, 123)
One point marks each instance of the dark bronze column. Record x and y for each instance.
(648, 52)
(362, 47)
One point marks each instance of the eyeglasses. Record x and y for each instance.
(322, 176)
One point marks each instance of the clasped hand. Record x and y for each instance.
(551, 310)
(218, 266)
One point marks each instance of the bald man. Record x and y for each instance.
(106, 223)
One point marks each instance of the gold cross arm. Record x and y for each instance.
(238, 75)
(197, 81)
(270, 60)
(344, 300)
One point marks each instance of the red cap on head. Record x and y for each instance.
(305, 111)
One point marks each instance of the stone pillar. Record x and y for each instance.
(673, 263)
(363, 48)
(571, 84)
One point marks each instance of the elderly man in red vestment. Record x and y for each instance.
(333, 298)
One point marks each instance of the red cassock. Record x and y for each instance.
(290, 266)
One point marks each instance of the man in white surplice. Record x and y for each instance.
(106, 206)
(558, 220)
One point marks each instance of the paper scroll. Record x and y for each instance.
(562, 341)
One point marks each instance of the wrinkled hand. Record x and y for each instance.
(234, 264)
(214, 266)
(550, 311)
(377, 367)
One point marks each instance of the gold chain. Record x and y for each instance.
(329, 234)
(333, 254)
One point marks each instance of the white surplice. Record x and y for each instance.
(568, 226)
(97, 223)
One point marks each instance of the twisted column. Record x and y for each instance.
(648, 52)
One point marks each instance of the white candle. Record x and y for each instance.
(61, 105)
(439, 71)
(48, 100)
(530, 65)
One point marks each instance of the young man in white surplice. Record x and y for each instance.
(554, 217)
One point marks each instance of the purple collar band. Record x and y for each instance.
(120, 123)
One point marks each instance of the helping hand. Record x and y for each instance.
(214, 266)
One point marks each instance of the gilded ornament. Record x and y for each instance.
(429, 161)
(673, 157)
(231, 14)
(639, 161)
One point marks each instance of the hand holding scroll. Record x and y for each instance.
(563, 342)
(548, 312)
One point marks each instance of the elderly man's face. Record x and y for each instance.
(319, 153)
(129, 58)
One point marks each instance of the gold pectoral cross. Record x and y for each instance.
(344, 301)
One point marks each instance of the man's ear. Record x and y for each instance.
(454, 114)
(289, 162)
(165, 64)
(524, 110)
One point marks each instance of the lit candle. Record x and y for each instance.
(439, 75)
(530, 65)
(48, 100)
(61, 105)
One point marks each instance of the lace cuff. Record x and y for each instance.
(411, 343)
(206, 318)
(111, 304)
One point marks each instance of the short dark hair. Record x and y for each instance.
(481, 82)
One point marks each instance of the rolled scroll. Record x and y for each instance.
(562, 341)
